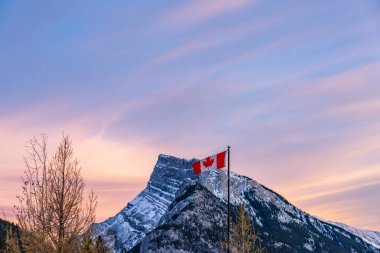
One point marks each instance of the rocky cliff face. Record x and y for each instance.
(195, 222)
(142, 214)
(180, 212)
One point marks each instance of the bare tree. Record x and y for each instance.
(53, 212)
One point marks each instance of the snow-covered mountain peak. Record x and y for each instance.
(143, 213)
(170, 171)
(168, 191)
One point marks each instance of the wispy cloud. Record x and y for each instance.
(198, 11)
(119, 165)
(293, 88)
(214, 39)
(346, 206)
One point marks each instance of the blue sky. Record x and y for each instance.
(292, 86)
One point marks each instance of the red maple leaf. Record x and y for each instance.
(208, 162)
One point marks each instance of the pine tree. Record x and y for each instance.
(99, 246)
(86, 245)
(243, 236)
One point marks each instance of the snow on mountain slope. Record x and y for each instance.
(370, 237)
(143, 213)
(196, 222)
(265, 205)
(283, 226)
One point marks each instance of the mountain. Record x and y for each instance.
(142, 214)
(4, 225)
(181, 212)
(3, 233)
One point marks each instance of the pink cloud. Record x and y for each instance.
(347, 206)
(220, 37)
(199, 11)
(114, 193)
(116, 170)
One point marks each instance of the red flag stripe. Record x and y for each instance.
(221, 160)
(197, 167)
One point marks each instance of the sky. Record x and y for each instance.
(292, 86)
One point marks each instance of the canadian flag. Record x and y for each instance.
(214, 162)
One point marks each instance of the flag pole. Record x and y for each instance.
(228, 200)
